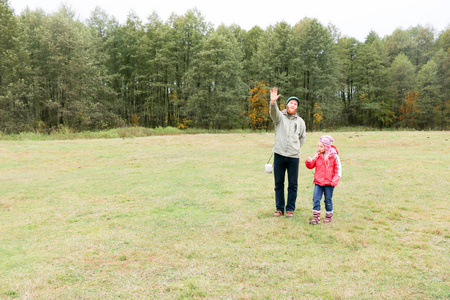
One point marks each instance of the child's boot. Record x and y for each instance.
(328, 217)
(316, 217)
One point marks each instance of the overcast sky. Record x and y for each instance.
(354, 18)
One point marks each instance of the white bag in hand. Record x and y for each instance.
(268, 168)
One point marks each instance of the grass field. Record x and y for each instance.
(190, 217)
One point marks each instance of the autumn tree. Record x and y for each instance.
(409, 112)
(258, 108)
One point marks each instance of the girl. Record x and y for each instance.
(326, 177)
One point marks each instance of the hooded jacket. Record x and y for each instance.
(290, 132)
(327, 173)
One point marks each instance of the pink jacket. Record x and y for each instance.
(326, 174)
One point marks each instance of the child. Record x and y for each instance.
(326, 177)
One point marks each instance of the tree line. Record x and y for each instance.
(59, 72)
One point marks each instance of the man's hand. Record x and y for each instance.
(274, 95)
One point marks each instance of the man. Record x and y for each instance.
(290, 135)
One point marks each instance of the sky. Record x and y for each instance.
(353, 18)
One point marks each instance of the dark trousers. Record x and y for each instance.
(281, 164)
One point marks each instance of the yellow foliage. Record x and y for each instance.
(258, 110)
(409, 108)
(363, 97)
(135, 120)
(318, 113)
(185, 124)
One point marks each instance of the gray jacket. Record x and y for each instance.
(290, 132)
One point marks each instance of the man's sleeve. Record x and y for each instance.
(274, 112)
(302, 136)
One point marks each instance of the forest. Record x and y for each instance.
(57, 71)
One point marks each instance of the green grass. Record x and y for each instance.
(190, 217)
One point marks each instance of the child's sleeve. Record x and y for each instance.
(311, 164)
(337, 171)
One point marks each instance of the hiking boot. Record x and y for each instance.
(328, 217)
(289, 214)
(278, 213)
(316, 218)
